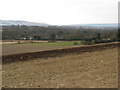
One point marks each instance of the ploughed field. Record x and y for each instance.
(13, 48)
(96, 69)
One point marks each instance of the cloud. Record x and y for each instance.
(60, 11)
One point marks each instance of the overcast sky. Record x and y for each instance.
(60, 12)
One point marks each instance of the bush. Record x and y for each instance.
(75, 43)
(101, 41)
(87, 42)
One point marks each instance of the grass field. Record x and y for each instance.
(30, 47)
(59, 43)
(98, 69)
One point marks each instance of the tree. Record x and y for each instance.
(37, 37)
(52, 37)
(98, 36)
(60, 34)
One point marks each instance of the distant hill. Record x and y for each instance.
(98, 25)
(18, 22)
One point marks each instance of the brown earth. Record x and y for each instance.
(21, 41)
(17, 49)
(95, 69)
(56, 52)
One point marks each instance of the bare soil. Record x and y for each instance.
(96, 69)
(17, 49)
(52, 52)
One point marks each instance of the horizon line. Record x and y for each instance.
(61, 24)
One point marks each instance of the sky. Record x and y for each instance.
(60, 12)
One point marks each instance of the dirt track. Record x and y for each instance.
(56, 52)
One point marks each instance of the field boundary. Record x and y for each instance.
(57, 52)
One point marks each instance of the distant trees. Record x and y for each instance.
(98, 36)
(37, 37)
(52, 37)
(58, 33)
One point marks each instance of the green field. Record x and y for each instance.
(61, 43)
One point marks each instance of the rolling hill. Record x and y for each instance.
(19, 22)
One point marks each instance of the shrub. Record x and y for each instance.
(87, 42)
(75, 43)
(101, 41)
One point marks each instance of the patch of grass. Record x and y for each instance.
(62, 43)
(30, 47)
(75, 43)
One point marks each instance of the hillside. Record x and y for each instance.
(18, 22)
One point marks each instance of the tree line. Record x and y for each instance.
(57, 33)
